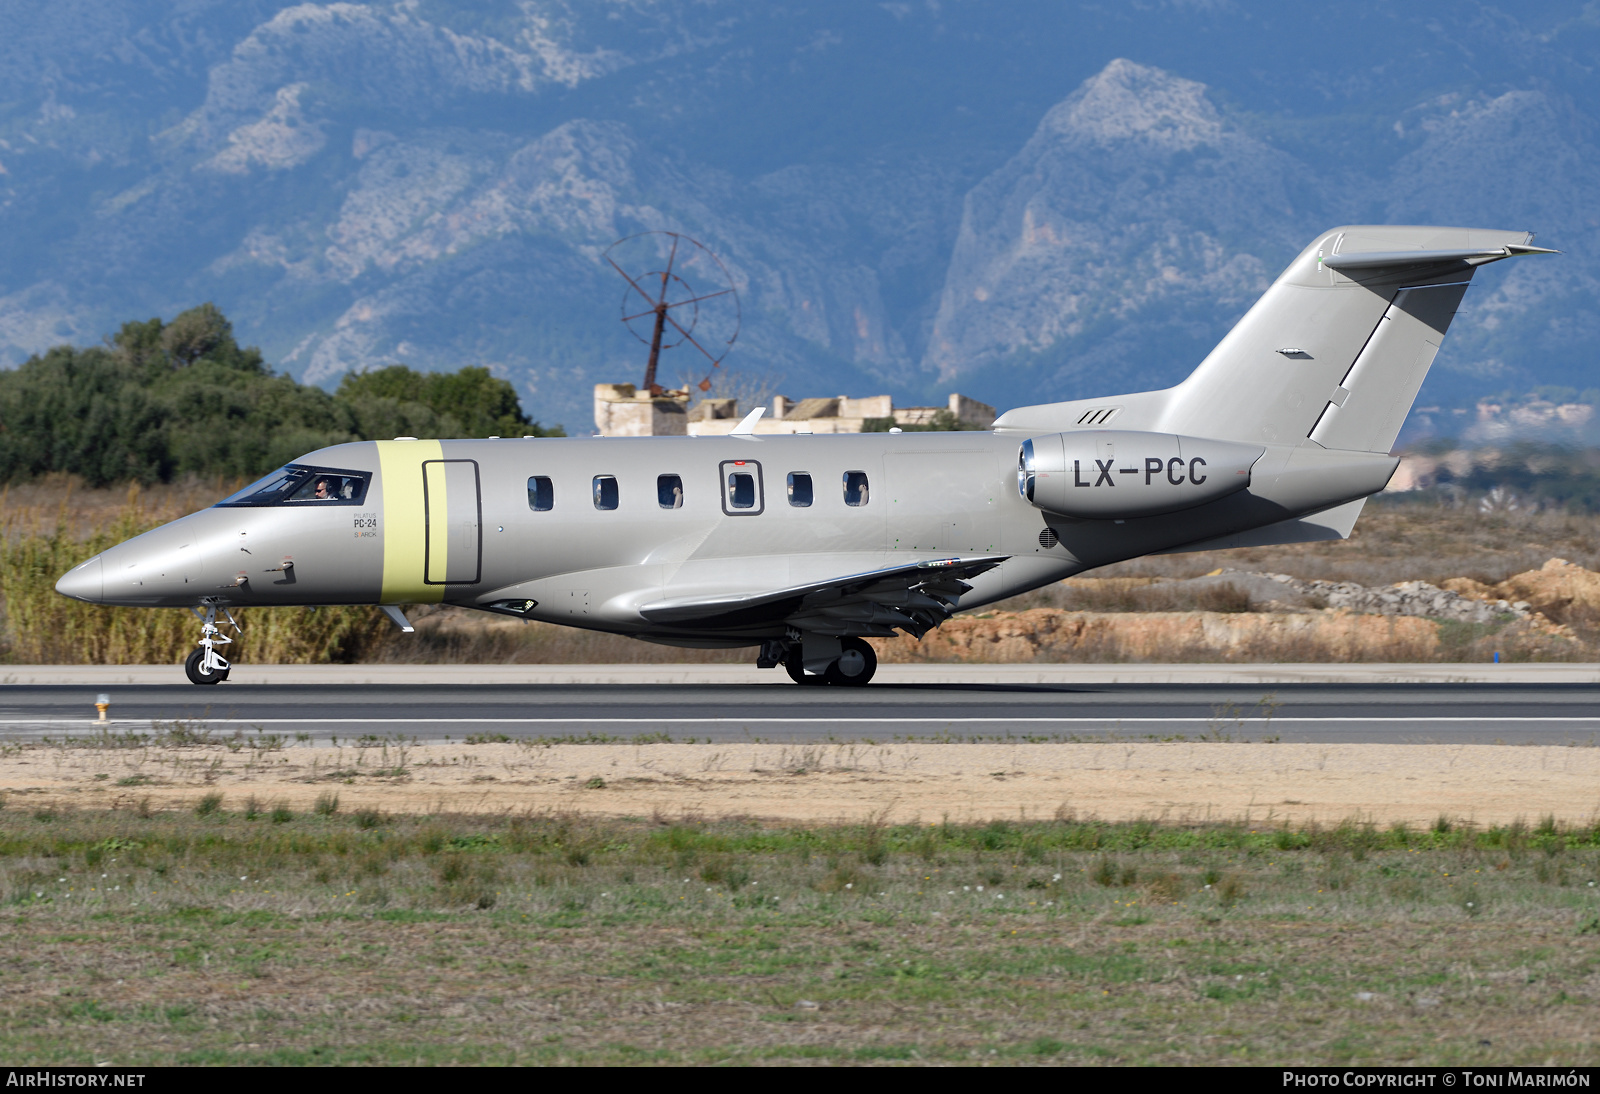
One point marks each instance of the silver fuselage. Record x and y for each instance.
(474, 539)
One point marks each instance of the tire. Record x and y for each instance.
(193, 666)
(855, 666)
(796, 668)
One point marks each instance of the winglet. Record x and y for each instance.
(748, 426)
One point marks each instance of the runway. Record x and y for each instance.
(1409, 711)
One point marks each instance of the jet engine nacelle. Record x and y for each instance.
(1116, 474)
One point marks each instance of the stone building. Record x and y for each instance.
(621, 410)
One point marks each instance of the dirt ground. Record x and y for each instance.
(1184, 781)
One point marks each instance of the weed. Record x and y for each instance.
(326, 805)
(1231, 890)
(281, 814)
(1167, 887)
(841, 879)
(207, 805)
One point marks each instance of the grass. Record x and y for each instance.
(350, 938)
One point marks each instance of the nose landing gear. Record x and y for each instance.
(205, 665)
(852, 668)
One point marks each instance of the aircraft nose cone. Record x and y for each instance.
(85, 581)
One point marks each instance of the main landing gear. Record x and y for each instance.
(853, 667)
(205, 665)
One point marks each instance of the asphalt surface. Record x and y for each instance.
(1513, 713)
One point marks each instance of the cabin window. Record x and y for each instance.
(669, 491)
(605, 491)
(741, 487)
(541, 494)
(799, 489)
(855, 488)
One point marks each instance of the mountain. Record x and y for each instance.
(1024, 202)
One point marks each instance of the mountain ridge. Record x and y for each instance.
(432, 183)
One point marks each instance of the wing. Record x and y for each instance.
(915, 597)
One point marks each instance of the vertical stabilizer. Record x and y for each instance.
(1337, 348)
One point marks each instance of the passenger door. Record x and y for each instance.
(453, 512)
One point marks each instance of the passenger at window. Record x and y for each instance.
(855, 488)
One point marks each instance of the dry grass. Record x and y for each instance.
(1398, 539)
(458, 939)
(60, 500)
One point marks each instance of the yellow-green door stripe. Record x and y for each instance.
(405, 521)
(438, 500)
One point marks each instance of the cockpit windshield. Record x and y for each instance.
(297, 484)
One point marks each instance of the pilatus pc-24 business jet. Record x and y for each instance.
(802, 546)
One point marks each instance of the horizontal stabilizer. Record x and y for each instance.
(1330, 524)
(1385, 260)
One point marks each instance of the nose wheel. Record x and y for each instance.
(205, 665)
(853, 668)
(200, 672)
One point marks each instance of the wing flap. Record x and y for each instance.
(915, 596)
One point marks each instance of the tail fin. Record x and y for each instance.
(1334, 351)
(1338, 346)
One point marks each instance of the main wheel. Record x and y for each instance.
(194, 667)
(855, 665)
(796, 668)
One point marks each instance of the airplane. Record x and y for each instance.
(802, 546)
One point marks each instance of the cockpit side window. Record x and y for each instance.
(297, 484)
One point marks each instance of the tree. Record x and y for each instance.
(469, 403)
(165, 399)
